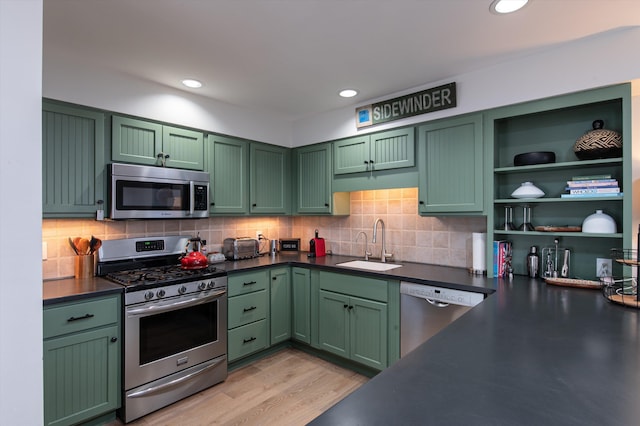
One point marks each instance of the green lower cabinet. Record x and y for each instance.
(354, 328)
(280, 305)
(301, 306)
(247, 339)
(81, 361)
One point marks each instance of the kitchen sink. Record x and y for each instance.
(369, 266)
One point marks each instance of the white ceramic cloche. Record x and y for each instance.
(527, 190)
(599, 223)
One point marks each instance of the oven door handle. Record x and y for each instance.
(175, 382)
(157, 308)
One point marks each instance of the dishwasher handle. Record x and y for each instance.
(436, 303)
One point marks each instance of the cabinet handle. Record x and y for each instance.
(326, 204)
(274, 278)
(248, 340)
(366, 162)
(421, 202)
(87, 316)
(350, 307)
(249, 309)
(371, 161)
(249, 283)
(114, 339)
(213, 204)
(254, 205)
(346, 306)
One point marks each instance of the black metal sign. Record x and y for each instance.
(430, 100)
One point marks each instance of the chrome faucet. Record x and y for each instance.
(366, 251)
(384, 255)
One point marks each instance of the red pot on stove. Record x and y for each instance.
(194, 259)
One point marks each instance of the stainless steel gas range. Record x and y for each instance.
(175, 322)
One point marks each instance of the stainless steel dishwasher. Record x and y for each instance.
(425, 310)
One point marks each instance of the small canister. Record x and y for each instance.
(533, 262)
(273, 246)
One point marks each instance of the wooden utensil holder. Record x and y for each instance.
(84, 266)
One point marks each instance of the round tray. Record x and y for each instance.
(558, 228)
(574, 282)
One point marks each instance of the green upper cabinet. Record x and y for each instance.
(73, 161)
(227, 161)
(269, 187)
(451, 166)
(386, 150)
(312, 172)
(144, 142)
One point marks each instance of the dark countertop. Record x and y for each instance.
(531, 354)
(70, 289)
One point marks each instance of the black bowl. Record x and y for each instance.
(531, 158)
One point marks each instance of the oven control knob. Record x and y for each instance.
(211, 284)
(148, 295)
(182, 290)
(202, 286)
(161, 293)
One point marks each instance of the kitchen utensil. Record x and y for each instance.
(83, 246)
(531, 158)
(565, 265)
(194, 259)
(598, 143)
(73, 246)
(527, 190)
(599, 223)
(96, 245)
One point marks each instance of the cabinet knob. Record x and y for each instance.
(114, 339)
(346, 306)
(274, 278)
(213, 204)
(371, 161)
(254, 205)
(366, 162)
(420, 202)
(326, 204)
(350, 307)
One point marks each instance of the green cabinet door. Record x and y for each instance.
(391, 149)
(312, 172)
(144, 142)
(451, 166)
(135, 141)
(301, 306)
(185, 148)
(368, 331)
(333, 330)
(227, 161)
(73, 161)
(81, 376)
(280, 305)
(351, 155)
(269, 188)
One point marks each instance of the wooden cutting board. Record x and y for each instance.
(558, 228)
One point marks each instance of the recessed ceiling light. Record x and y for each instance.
(507, 6)
(189, 82)
(348, 93)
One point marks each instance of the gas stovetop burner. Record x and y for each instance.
(163, 275)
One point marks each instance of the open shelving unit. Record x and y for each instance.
(554, 124)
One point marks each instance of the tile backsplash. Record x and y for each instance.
(410, 237)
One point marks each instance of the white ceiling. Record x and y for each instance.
(291, 57)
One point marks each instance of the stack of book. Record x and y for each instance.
(592, 186)
(501, 258)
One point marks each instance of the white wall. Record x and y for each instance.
(20, 212)
(67, 79)
(600, 60)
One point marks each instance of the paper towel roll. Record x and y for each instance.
(479, 251)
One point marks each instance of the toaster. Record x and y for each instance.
(240, 248)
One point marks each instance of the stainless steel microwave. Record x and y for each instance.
(148, 192)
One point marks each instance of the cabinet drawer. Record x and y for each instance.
(368, 288)
(247, 282)
(73, 317)
(247, 308)
(247, 339)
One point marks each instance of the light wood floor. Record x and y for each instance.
(286, 388)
